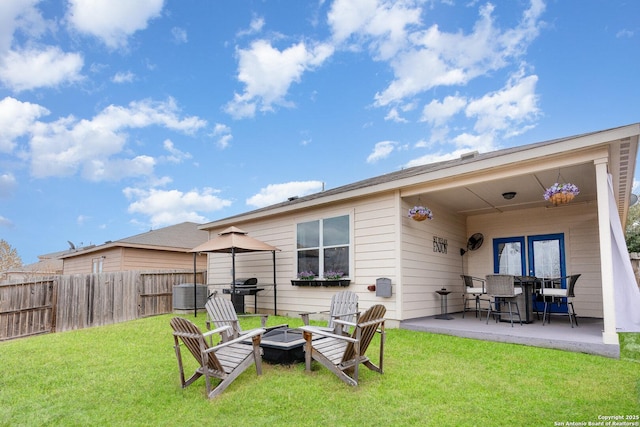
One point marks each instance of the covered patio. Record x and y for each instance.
(500, 196)
(586, 338)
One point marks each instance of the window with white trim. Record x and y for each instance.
(97, 265)
(323, 246)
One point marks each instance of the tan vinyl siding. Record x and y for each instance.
(132, 259)
(424, 270)
(578, 222)
(145, 259)
(372, 256)
(83, 264)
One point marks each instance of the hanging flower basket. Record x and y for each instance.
(559, 194)
(420, 213)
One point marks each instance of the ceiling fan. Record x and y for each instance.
(474, 242)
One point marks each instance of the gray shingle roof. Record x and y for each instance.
(185, 235)
(179, 237)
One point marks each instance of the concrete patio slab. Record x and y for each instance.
(585, 338)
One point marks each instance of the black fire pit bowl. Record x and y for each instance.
(283, 346)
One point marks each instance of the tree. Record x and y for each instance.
(632, 231)
(9, 257)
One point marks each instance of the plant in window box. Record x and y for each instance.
(333, 275)
(335, 278)
(331, 278)
(559, 194)
(306, 275)
(306, 278)
(420, 213)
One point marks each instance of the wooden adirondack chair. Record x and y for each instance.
(220, 312)
(344, 354)
(225, 361)
(344, 306)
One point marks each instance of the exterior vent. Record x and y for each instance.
(467, 156)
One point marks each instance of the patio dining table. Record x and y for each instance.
(529, 285)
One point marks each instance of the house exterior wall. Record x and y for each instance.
(426, 269)
(83, 264)
(386, 243)
(374, 253)
(130, 259)
(579, 224)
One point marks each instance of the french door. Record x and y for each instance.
(542, 257)
(546, 260)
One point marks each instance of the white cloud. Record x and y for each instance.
(435, 158)
(67, 145)
(175, 155)
(112, 21)
(116, 169)
(167, 207)
(256, 25)
(31, 68)
(179, 35)
(8, 184)
(123, 77)
(625, 33)
(82, 219)
(438, 113)
(223, 136)
(382, 24)
(19, 15)
(438, 58)
(394, 115)
(16, 120)
(382, 150)
(267, 74)
(506, 110)
(276, 193)
(5, 222)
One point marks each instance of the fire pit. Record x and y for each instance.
(283, 346)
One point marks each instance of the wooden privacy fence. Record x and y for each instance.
(62, 303)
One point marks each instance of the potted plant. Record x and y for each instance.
(559, 194)
(420, 213)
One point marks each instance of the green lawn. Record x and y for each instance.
(126, 374)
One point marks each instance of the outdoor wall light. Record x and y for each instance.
(509, 195)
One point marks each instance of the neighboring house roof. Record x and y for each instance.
(178, 238)
(622, 169)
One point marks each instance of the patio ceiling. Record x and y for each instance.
(486, 196)
(480, 192)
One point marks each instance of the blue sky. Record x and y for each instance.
(117, 117)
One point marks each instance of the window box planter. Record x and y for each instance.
(337, 282)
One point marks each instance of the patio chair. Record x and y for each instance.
(473, 291)
(552, 293)
(225, 361)
(501, 287)
(220, 312)
(343, 355)
(344, 306)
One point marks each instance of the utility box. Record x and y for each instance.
(383, 287)
(183, 298)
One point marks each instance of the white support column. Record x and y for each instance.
(609, 335)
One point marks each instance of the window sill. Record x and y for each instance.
(341, 282)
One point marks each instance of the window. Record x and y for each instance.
(97, 265)
(508, 256)
(323, 245)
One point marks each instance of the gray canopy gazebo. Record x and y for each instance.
(232, 241)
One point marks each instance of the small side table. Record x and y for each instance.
(443, 305)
